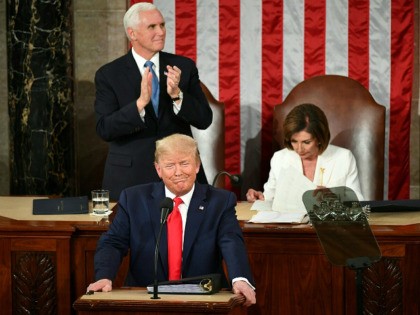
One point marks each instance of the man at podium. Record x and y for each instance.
(208, 227)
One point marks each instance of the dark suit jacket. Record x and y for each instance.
(132, 141)
(212, 232)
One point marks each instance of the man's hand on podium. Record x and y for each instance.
(242, 287)
(103, 285)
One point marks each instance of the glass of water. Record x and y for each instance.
(100, 201)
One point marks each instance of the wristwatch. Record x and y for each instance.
(179, 97)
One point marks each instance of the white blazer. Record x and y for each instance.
(338, 165)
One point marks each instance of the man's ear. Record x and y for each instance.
(158, 170)
(131, 34)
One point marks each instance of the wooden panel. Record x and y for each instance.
(34, 284)
(293, 276)
(35, 268)
(34, 244)
(138, 301)
(306, 276)
(5, 277)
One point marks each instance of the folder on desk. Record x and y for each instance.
(68, 205)
(206, 284)
(392, 205)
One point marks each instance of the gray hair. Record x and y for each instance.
(132, 16)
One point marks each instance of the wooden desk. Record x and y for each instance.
(53, 260)
(293, 275)
(138, 301)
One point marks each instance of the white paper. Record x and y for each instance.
(262, 205)
(279, 217)
(288, 196)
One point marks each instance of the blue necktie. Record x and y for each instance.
(155, 87)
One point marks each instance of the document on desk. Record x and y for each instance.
(279, 217)
(180, 289)
(287, 205)
(206, 284)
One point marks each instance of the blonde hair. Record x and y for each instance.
(177, 143)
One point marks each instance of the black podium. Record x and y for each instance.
(343, 229)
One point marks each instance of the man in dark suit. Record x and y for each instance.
(211, 232)
(124, 106)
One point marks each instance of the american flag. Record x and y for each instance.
(251, 53)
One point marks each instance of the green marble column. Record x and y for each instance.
(41, 108)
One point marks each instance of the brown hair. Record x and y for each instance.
(309, 118)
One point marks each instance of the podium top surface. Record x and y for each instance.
(138, 299)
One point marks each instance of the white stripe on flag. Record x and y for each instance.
(167, 8)
(293, 44)
(336, 37)
(250, 75)
(379, 64)
(208, 44)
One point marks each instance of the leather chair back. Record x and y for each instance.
(211, 141)
(356, 122)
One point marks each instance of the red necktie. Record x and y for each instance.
(175, 241)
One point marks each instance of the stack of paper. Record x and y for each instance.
(265, 214)
(287, 205)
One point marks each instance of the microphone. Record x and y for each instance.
(166, 206)
(235, 180)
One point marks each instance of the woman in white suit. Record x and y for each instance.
(306, 138)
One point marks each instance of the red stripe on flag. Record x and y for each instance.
(136, 1)
(358, 37)
(402, 49)
(229, 83)
(186, 28)
(314, 38)
(272, 69)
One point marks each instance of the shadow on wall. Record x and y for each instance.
(91, 150)
(4, 179)
(251, 175)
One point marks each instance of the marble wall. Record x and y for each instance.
(4, 114)
(40, 97)
(98, 37)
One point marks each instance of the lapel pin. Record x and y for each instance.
(201, 208)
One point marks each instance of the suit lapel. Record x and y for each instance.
(163, 62)
(158, 194)
(196, 214)
(324, 168)
(132, 72)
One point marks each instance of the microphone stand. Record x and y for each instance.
(167, 206)
(234, 179)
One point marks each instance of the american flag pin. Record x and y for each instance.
(201, 208)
